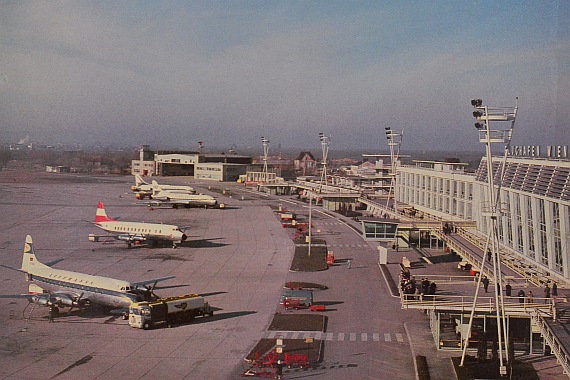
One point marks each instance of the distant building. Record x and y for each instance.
(305, 163)
(217, 167)
(58, 169)
(219, 171)
(145, 165)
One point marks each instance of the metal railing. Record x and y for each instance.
(512, 305)
(557, 348)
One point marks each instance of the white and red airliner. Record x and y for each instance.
(136, 232)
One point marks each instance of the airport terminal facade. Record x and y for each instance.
(534, 203)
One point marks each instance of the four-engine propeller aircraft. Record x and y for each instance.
(143, 189)
(136, 232)
(62, 288)
(172, 198)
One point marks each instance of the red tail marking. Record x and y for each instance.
(101, 215)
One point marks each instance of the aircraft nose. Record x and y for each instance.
(184, 237)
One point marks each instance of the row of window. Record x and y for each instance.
(456, 188)
(533, 226)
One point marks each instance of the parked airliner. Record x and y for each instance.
(61, 288)
(143, 189)
(175, 199)
(136, 232)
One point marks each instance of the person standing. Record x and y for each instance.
(508, 289)
(554, 291)
(530, 297)
(521, 296)
(546, 291)
(485, 283)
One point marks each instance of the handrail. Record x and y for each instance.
(506, 258)
(557, 348)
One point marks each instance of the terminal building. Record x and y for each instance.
(534, 202)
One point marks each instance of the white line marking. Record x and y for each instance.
(387, 338)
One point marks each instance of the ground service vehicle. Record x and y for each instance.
(294, 298)
(145, 315)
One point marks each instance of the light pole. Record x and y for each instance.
(265, 152)
(325, 143)
(394, 141)
(488, 136)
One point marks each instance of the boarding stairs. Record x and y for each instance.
(556, 336)
(265, 364)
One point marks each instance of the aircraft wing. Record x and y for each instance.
(52, 263)
(154, 281)
(15, 295)
(123, 237)
(16, 269)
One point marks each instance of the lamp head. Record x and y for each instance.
(478, 113)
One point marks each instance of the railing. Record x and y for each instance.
(465, 303)
(471, 257)
(528, 271)
(555, 345)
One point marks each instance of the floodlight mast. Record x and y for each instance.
(325, 143)
(488, 136)
(394, 141)
(265, 154)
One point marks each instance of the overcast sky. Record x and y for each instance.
(172, 73)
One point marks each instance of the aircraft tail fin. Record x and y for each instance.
(139, 181)
(101, 215)
(29, 261)
(155, 188)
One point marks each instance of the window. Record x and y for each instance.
(542, 232)
(530, 227)
(558, 258)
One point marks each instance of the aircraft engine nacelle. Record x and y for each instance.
(46, 299)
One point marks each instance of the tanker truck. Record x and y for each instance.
(169, 311)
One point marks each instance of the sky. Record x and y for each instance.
(172, 73)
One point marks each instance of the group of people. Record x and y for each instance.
(448, 228)
(548, 293)
(409, 286)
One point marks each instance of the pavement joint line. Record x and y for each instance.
(413, 351)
